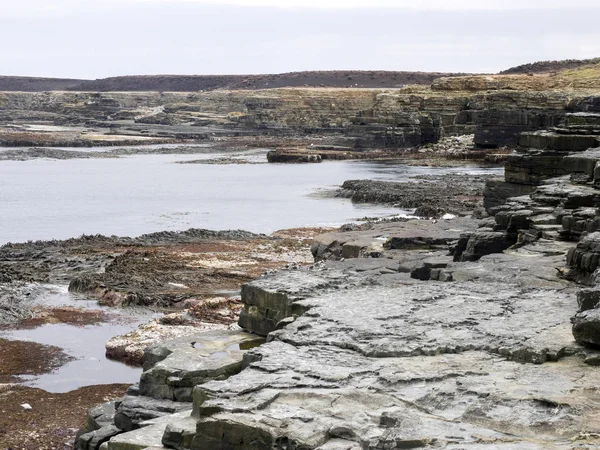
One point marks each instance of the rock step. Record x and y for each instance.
(548, 140)
(548, 231)
(544, 219)
(582, 119)
(584, 162)
(179, 433)
(583, 129)
(173, 368)
(150, 434)
(136, 409)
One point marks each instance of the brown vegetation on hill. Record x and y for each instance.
(35, 84)
(339, 79)
(190, 83)
(549, 66)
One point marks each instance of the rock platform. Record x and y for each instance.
(455, 334)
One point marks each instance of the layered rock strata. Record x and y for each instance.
(493, 108)
(368, 355)
(171, 370)
(422, 334)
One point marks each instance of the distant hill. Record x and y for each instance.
(34, 84)
(332, 78)
(338, 78)
(549, 66)
(185, 83)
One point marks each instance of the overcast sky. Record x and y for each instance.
(101, 38)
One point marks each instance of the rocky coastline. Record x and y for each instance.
(495, 108)
(451, 333)
(471, 324)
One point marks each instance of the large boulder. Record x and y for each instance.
(586, 327)
(497, 191)
(472, 247)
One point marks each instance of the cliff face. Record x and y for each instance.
(495, 108)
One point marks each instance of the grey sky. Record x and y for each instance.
(100, 38)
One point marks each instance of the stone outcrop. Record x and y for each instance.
(365, 358)
(429, 196)
(458, 334)
(171, 370)
(548, 154)
(494, 109)
(369, 353)
(407, 235)
(420, 334)
(497, 191)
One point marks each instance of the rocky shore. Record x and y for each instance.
(430, 196)
(494, 108)
(191, 278)
(461, 333)
(472, 324)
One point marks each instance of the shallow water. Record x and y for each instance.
(129, 196)
(132, 195)
(84, 343)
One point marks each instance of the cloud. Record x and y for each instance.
(439, 5)
(99, 38)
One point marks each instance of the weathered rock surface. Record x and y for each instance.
(398, 362)
(172, 369)
(395, 359)
(403, 235)
(431, 196)
(164, 393)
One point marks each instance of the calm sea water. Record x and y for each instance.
(129, 196)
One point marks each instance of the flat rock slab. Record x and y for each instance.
(417, 233)
(173, 368)
(149, 435)
(310, 395)
(487, 361)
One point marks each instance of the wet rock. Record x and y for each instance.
(472, 247)
(588, 298)
(497, 191)
(433, 196)
(586, 327)
(293, 156)
(173, 368)
(17, 300)
(131, 346)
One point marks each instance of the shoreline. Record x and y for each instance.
(101, 251)
(253, 253)
(466, 330)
